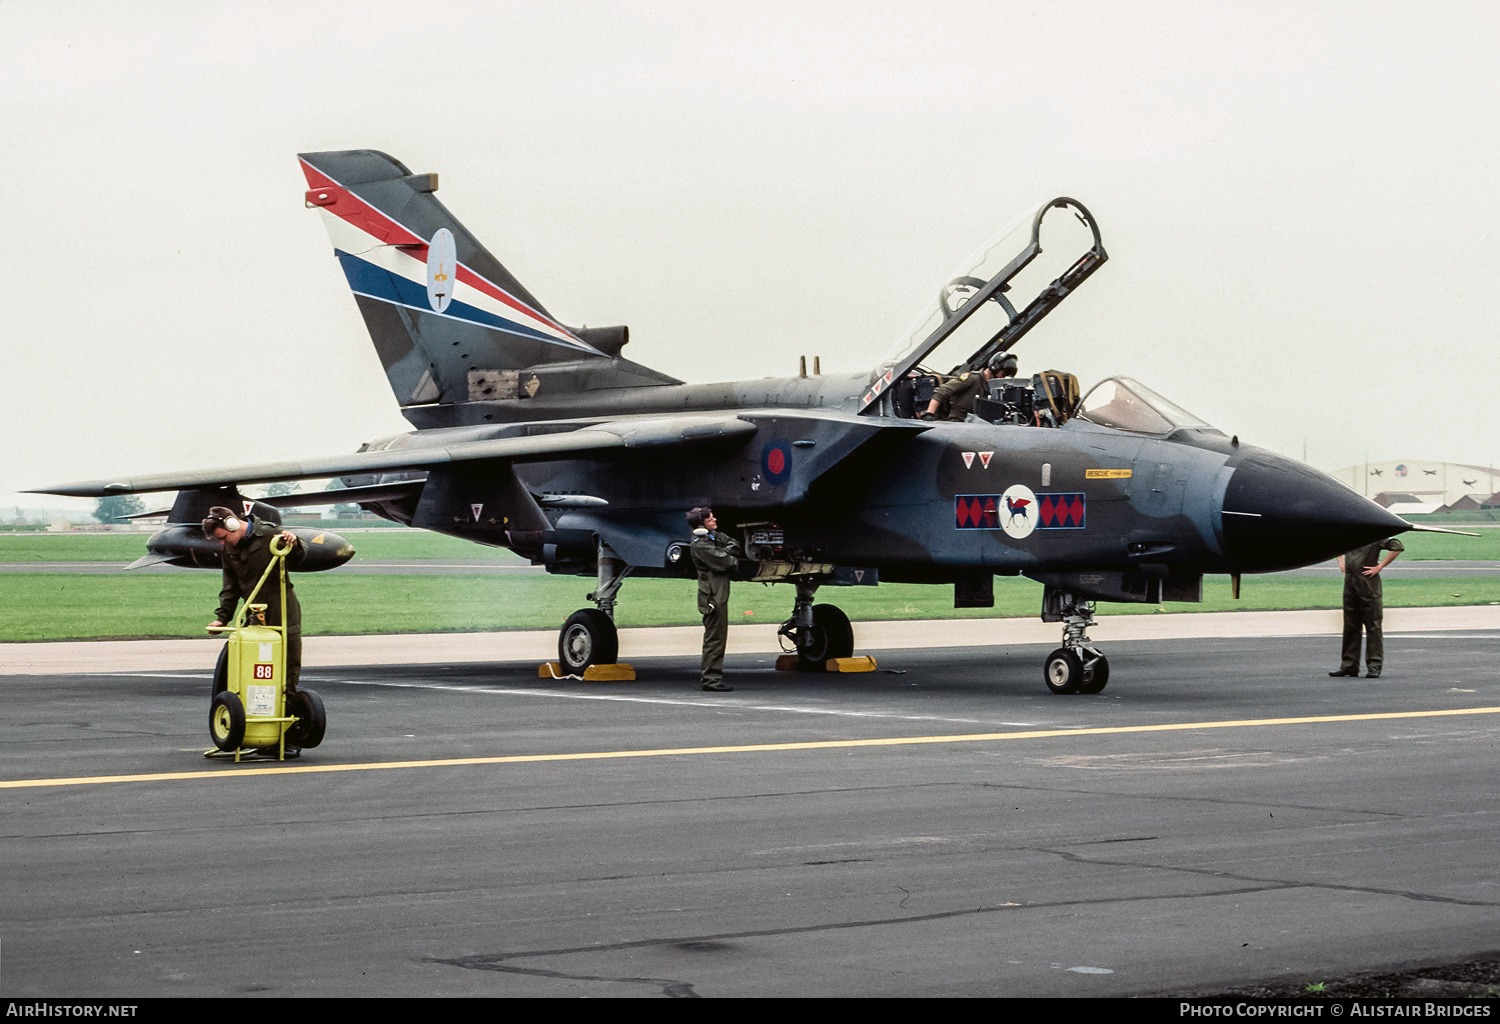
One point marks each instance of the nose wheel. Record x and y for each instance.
(1082, 671)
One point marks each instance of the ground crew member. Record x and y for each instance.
(1363, 606)
(714, 556)
(247, 552)
(961, 391)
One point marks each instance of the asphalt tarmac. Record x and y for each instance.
(1223, 814)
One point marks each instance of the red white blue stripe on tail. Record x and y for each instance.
(386, 261)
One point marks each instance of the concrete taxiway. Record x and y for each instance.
(1223, 812)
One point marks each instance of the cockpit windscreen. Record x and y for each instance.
(1127, 404)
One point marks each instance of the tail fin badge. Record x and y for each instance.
(442, 269)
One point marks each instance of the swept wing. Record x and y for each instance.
(610, 438)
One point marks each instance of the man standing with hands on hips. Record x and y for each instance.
(714, 556)
(1363, 606)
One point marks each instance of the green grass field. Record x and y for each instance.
(59, 606)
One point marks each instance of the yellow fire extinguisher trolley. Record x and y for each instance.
(251, 711)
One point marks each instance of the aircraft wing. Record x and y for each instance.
(609, 439)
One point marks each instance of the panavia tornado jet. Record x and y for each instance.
(540, 437)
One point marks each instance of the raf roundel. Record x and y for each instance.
(776, 462)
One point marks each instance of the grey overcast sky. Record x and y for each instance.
(1299, 200)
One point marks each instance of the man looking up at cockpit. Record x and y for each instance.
(715, 557)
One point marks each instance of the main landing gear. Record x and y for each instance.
(1077, 666)
(818, 632)
(589, 636)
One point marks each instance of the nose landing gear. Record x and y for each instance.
(1077, 666)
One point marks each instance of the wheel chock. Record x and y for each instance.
(608, 673)
(793, 663)
(593, 674)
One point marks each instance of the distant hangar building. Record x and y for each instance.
(1412, 487)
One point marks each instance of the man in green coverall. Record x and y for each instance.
(960, 392)
(1363, 606)
(714, 556)
(247, 552)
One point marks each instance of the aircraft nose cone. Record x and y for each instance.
(1279, 514)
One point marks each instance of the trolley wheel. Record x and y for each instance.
(1098, 675)
(831, 637)
(1063, 671)
(226, 721)
(221, 674)
(311, 722)
(588, 638)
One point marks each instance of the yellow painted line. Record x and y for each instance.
(754, 748)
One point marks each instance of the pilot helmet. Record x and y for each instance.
(1003, 364)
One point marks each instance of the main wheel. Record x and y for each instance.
(226, 721)
(1063, 671)
(831, 637)
(588, 638)
(311, 722)
(221, 674)
(1097, 675)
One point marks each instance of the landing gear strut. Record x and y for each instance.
(589, 636)
(1077, 666)
(820, 632)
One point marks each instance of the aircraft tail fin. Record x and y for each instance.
(452, 326)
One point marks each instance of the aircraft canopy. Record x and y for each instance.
(1127, 404)
(1000, 293)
